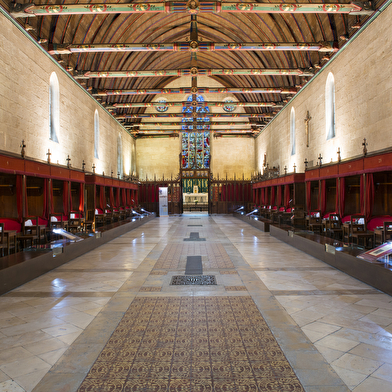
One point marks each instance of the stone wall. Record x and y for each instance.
(363, 97)
(25, 72)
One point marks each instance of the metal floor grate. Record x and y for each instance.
(181, 280)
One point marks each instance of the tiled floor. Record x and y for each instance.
(335, 331)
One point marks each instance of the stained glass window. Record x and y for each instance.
(196, 145)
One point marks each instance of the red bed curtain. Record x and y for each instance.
(45, 212)
(124, 196)
(81, 198)
(102, 198)
(51, 198)
(118, 198)
(369, 196)
(342, 196)
(308, 197)
(111, 197)
(323, 197)
(362, 195)
(272, 196)
(65, 197)
(279, 196)
(19, 197)
(337, 197)
(287, 196)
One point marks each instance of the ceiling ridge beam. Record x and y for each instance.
(200, 104)
(18, 10)
(196, 72)
(200, 90)
(193, 46)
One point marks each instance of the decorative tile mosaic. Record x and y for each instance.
(158, 273)
(228, 272)
(149, 289)
(192, 344)
(180, 280)
(235, 288)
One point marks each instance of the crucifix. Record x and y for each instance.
(48, 154)
(307, 119)
(23, 151)
(68, 160)
(364, 147)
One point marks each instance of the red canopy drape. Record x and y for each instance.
(337, 197)
(111, 197)
(342, 196)
(279, 196)
(124, 197)
(323, 197)
(361, 195)
(272, 201)
(65, 197)
(102, 197)
(128, 198)
(19, 197)
(51, 198)
(118, 198)
(287, 196)
(263, 196)
(81, 198)
(45, 212)
(308, 197)
(223, 194)
(369, 196)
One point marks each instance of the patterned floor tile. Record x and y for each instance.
(235, 288)
(149, 289)
(160, 345)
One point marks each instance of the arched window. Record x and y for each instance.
(54, 108)
(330, 107)
(292, 131)
(196, 145)
(119, 156)
(96, 134)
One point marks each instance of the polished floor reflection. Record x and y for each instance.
(334, 331)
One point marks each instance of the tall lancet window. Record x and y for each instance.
(196, 145)
(120, 169)
(54, 108)
(330, 107)
(96, 134)
(292, 131)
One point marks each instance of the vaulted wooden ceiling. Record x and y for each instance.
(61, 30)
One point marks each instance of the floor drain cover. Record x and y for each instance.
(181, 280)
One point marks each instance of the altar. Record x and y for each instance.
(195, 198)
(195, 201)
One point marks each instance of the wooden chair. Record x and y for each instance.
(334, 226)
(315, 221)
(358, 230)
(3, 241)
(75, 221)
(31, 232)
(89, 222)
(387, 231)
